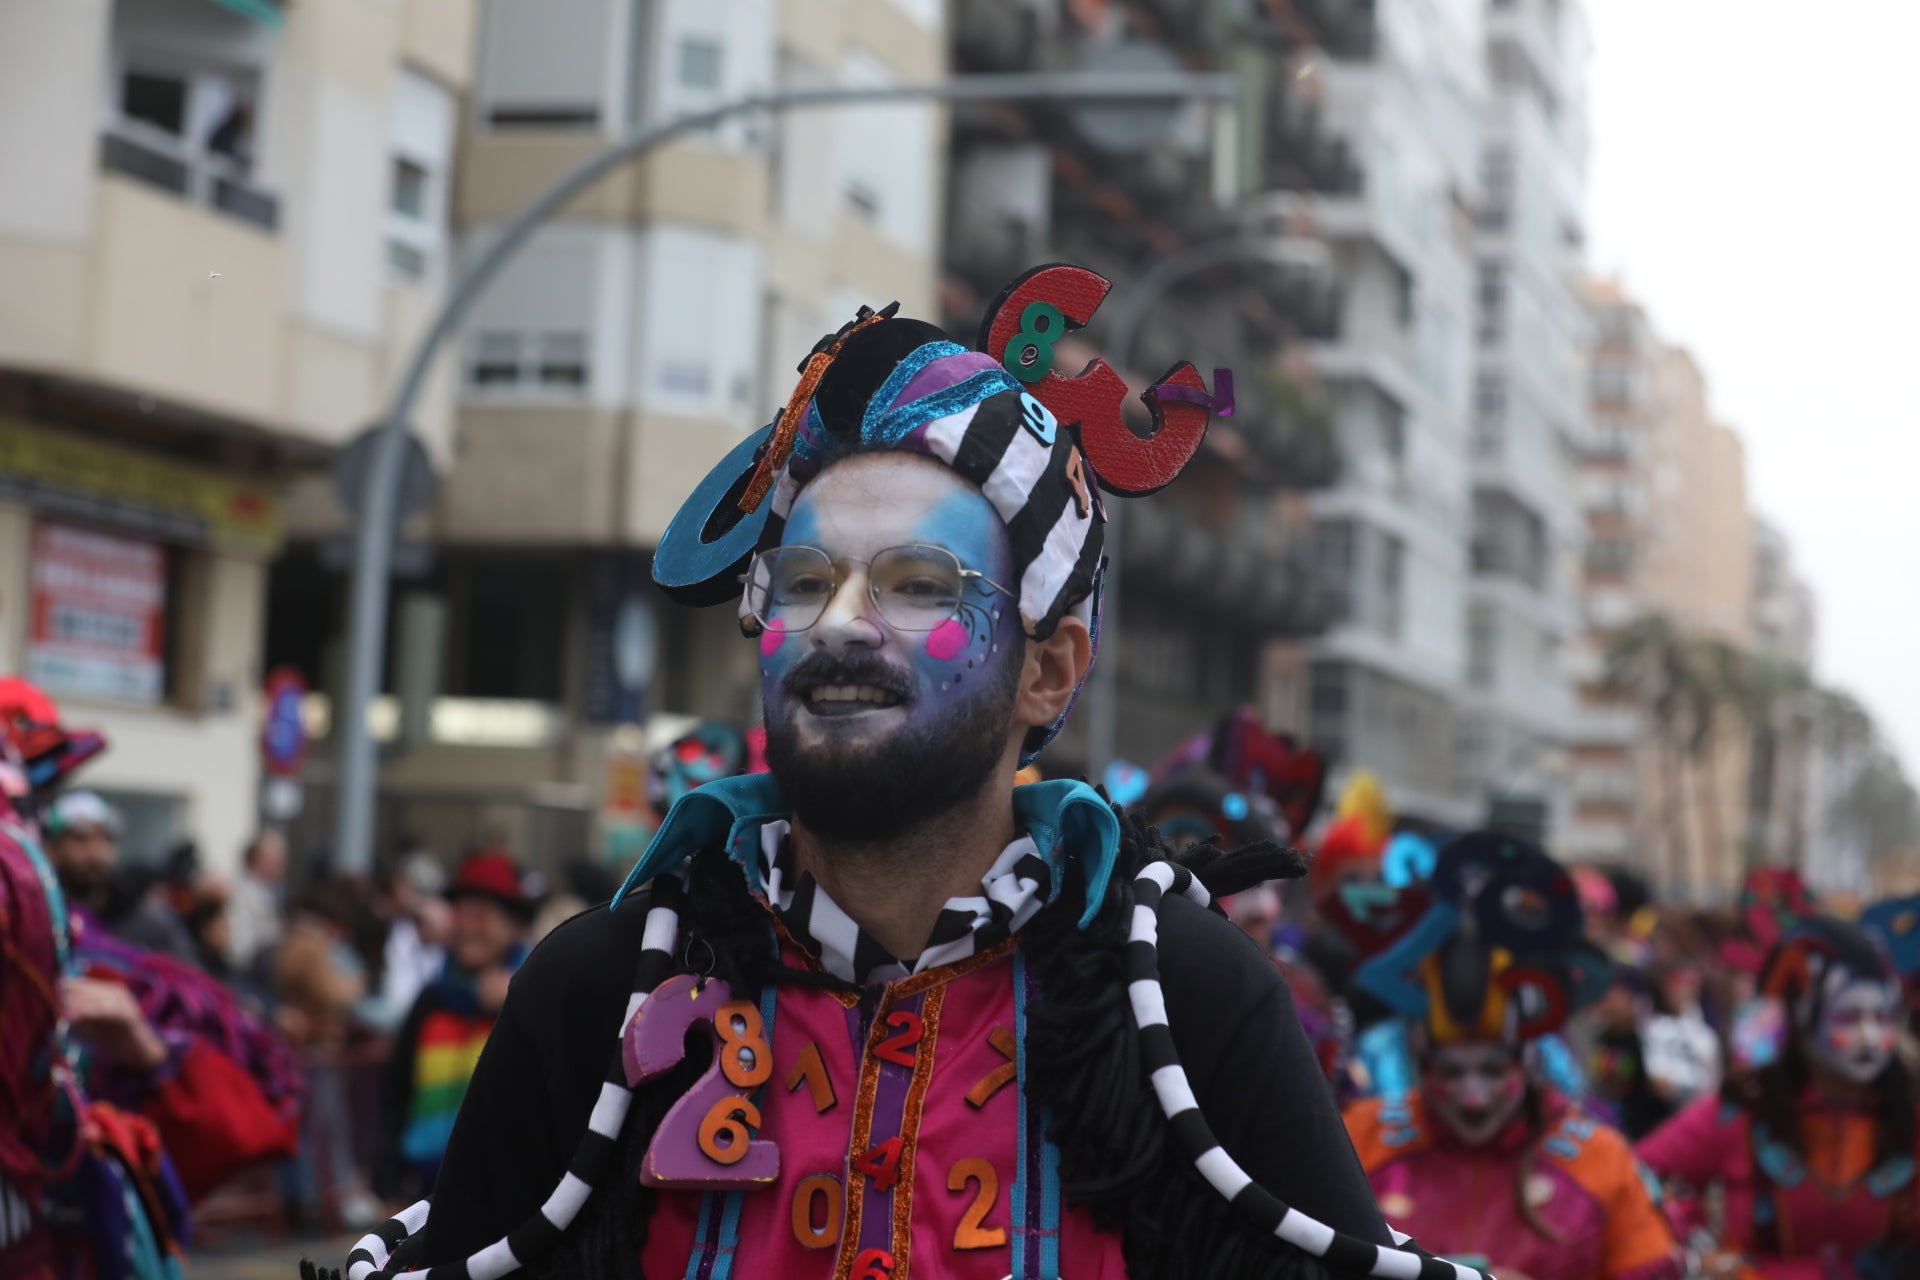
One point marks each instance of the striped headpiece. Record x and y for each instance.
(1037, 443)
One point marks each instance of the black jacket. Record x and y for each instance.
(1232, 1016)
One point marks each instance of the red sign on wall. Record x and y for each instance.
(99, 615)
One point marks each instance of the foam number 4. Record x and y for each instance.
(706, 1138)
(1021, 330)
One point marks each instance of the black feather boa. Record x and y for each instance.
(1116, 1157)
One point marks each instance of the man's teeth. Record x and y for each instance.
(853, 693)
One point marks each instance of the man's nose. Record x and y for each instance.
(849, 620)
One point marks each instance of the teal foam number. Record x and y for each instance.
(1029, 355)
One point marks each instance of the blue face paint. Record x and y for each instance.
(942, 672)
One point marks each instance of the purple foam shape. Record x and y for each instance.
(1220, 403)
(655, 1043)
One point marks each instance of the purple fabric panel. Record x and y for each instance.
(889, 1106)
(943, 373)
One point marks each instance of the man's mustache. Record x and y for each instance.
(821, 668)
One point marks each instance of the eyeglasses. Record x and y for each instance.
(913, 588)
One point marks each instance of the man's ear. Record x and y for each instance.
(1053, 669)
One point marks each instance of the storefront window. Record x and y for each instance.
(98, 627)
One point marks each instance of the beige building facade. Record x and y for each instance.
(1668, 532)
(221, 226)
(630, 343)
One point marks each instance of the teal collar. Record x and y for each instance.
(1069, 822)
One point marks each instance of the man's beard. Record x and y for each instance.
(876, 791)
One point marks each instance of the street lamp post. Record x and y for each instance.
(373, 536)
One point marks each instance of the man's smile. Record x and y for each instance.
(837, 700)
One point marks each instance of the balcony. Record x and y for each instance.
(165, 161)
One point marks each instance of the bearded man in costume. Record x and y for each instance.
(1484, 1160)
(942, 1040)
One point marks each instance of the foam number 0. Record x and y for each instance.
(973, 1233)
(1020, 332)
(705, 1139)
(812, 1189)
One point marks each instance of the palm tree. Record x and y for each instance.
(1652, 663)
(1770, 696)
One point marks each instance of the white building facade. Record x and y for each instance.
(1386, 683)
(1529, 416)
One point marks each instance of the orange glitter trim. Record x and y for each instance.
(910, 1128)
(859, 1138)
(780, 446)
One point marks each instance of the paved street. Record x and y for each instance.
(235, 1260)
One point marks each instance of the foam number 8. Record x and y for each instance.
(745, 1056)
(705, 1140)
(1029, 354)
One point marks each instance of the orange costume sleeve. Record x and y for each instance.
(1639, 1244)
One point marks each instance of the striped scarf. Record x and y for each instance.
(1012, 892)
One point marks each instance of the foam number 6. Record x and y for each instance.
(1020, 331)
(705, 1140)
(873, 1264)
(1029, 354)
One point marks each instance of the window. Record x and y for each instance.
(160, 101)
(1497, 177)
(554, 360)
(421, 128)
(1609, 557)
(406, 261)
(699, 63)
(544, 63)
(1483, 636)
(409, 188)
(1492, 302)
(1393, 575)
(1403, 296)
(496, 360)
(563, 360)
(1333, 563)
(1614, 383)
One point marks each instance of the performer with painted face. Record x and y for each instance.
(881, 1013)
(1810, 1146)
(1483, 1160)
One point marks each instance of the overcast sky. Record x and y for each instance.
(1756, 180)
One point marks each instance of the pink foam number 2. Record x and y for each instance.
(687, 1149)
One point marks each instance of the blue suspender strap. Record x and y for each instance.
(713, 1259)
(1035, 1205)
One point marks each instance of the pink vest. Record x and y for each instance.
(899, 1148)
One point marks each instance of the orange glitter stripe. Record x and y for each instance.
(910, 1127)
(860, 1137)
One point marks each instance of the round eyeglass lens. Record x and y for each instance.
(915, 588)
(790, 586)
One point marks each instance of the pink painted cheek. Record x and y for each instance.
(772, 638)
(947, 641)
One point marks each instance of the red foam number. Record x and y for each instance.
(881, 1163)
(1091, 400)
(898, 1047)
(873, 1264)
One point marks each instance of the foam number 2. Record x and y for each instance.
(1021, 330)
(705, 1140)
(973, 1233)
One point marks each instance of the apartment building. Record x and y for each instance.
(1214, 578)
(1669, 532)
(629, 345)
(1529, 414)
(1405, 96)
(222, 223)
